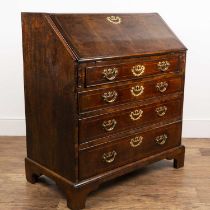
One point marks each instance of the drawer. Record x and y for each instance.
(93, 161)
(118, 94)
(133, 70)
(101, 125)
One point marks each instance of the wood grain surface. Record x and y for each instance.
(125, 71)
(148, 188)
(92, 99)
(91, 36)
(92, 127)
(50, 99)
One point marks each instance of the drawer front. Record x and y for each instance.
(121, 120)
(119, 72)
(144, 89)
(106, 157)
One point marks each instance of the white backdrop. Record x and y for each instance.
(190, 20)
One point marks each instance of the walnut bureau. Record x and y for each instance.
(103, 97)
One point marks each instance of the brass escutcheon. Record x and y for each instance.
(161, 139)
(110, 73)
(136, 114)
(161, 111)
(136, 141)
(162, 86)
(109, 125)
(138, 70)
(114, 19)
(109, 157)
(137, 90)
(110, 96)
(163, 65)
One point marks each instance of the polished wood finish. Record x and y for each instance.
(92, 36)
(92, 127)
(50, 99)
(83, 131)
(91, 160)
(157, 186)
(93, 99)
(95, 74)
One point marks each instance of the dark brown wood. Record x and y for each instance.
(92, 36)
(95, 74)
(50, 97)
(179, 159)
(76, 196)
(67, 108)
(92, 127)
(31, 174)
(92, 184)
(91, 160)
(93, 99)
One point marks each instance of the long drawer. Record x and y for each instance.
(141, 67)
(93, 127)
(134, 91)
(93, 161)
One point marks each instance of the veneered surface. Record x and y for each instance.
(92, 36)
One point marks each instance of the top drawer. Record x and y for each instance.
(131, 70)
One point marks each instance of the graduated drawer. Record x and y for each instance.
(124, 71)
(118, 94)
(101, 125)
(102, 158)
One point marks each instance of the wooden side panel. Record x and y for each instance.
(50, 97)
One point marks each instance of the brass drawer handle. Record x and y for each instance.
(138, 70)
(110, 96)
(136, 115)
(109, 157)
(114, 19)
(161, 111)
(162, 86)
(109, 125)
(137, 90)
(161, 139)
(136, 141)
(163, 65)
(110, 73)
